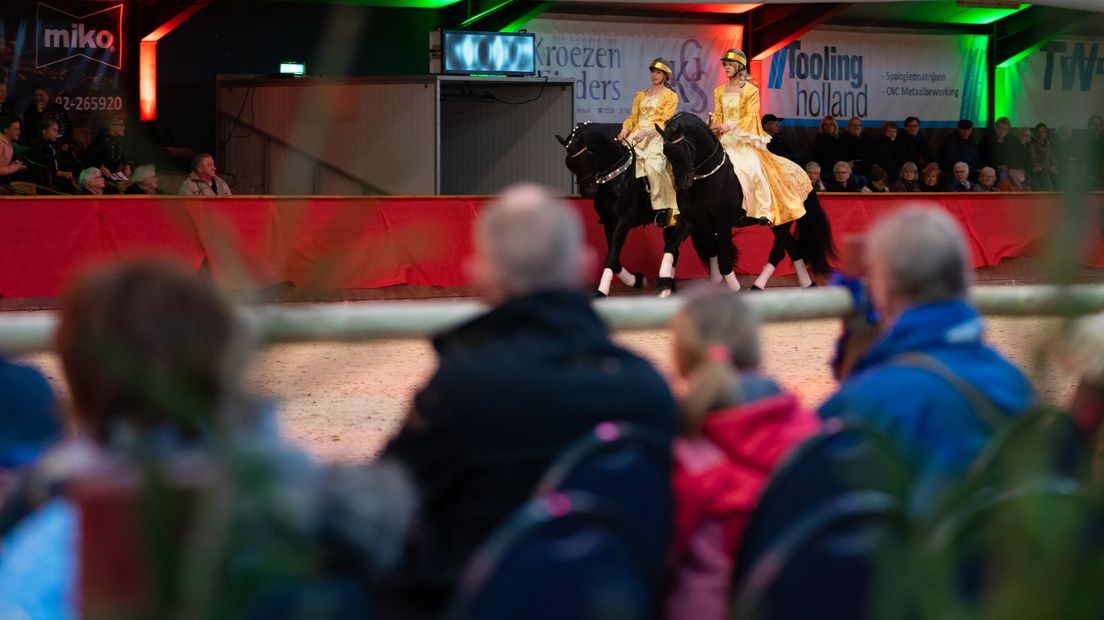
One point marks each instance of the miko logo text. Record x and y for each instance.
(95, 35)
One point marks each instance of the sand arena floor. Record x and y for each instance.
(342, 402)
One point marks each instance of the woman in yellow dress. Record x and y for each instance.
(655, 105)
(774, 187)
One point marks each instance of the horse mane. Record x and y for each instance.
(604, 147)
(693, 127)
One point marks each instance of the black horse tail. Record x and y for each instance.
(814, 237)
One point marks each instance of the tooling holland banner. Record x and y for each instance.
(74, 48)
(609, 61)
(1062, 83)
(877, 77)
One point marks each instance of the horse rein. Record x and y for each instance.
(724, 158)
(615, 172)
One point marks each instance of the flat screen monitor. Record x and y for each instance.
(489, 53)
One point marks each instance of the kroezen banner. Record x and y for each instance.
(1062, 83)
(877, 77)
(609, 61)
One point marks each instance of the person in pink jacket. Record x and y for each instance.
(737, 426)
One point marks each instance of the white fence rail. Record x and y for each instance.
(30, 332)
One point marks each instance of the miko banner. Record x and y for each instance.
(877, 77)
(609, 61)
(1062, 83)
(75, 48)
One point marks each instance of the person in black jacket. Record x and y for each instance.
(53, 164)
(856, 147)
(885, 150)
(513, 388)
(999, 147)
(778, 144)
(914, 146)
(960, 147)
(841, 180)
(106, 151)
(826, 148)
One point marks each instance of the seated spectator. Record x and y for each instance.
(778, 144)
(929, 381)
(813, 169)
(1044, 166)
(885, 150)
(106, 151)
(1016, 181)
(203, 181)
(91, 181)
(53, 163)
(961, 180)
(29, 425)
(143, 181)
(42, 107)
(907, 181)
(6, 108)
(960, 147)
(914, 146)
(1082, 355)
(158, 389)
(11, 169)
(877, 184)
(987, 180)
(929, 179)
(737, 426)
(842, 181)
(856, 148)
(826, 148)
(513, 388)
(999, 148)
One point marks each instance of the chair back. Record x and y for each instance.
(846, 559)
(842, 458)
(1037, 549)
(560, 556)
(628, 466)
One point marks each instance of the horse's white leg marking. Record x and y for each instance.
(732, 282)
(714, 270)
(802, 273)
(607, 278)
(667, 267)
(764, 276)
(627, 277)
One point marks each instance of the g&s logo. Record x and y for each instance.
(96, 35)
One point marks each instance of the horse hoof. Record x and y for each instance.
(665, 293)
(640, 281)
(599, 294)
(666, 287)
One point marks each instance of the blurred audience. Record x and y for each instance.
(960, 147)
(914, 146)
(54, 164)
(107, 150)
(929, 380)
(878, 179)
(885, 150)
(826, 148)
(778, 144)
(929, 179)
(1044, 166)
(41, 108)
(91, 181)
(856, 148)
(11, 169)
(998, 147)
(512, 389)
(6, 108)
(1014, 181)
(737, 426)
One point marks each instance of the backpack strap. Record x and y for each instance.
(979, 402)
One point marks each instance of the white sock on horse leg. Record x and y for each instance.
(732, 282)
(627, 277)
(802, 273)
(764, 276)
(667, 267)
(607, 278)
(715, 270)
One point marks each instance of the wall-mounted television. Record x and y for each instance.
(489, 53)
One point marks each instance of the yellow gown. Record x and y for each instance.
(774, 187)
(648, 111)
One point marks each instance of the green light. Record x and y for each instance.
(478, 16)
(293, 68)
(981, 17)
(520, 22)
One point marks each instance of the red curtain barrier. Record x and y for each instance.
(370, 242)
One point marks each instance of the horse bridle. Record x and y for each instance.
(599, 178)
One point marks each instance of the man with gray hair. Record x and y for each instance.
(929, 380)
(513, 388)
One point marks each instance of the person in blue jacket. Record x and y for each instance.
(929, 381)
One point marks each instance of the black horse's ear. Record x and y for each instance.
(561, 140)
(659, 130)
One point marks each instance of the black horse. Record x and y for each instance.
(709, 194)
(605, 170)
(710, 197)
